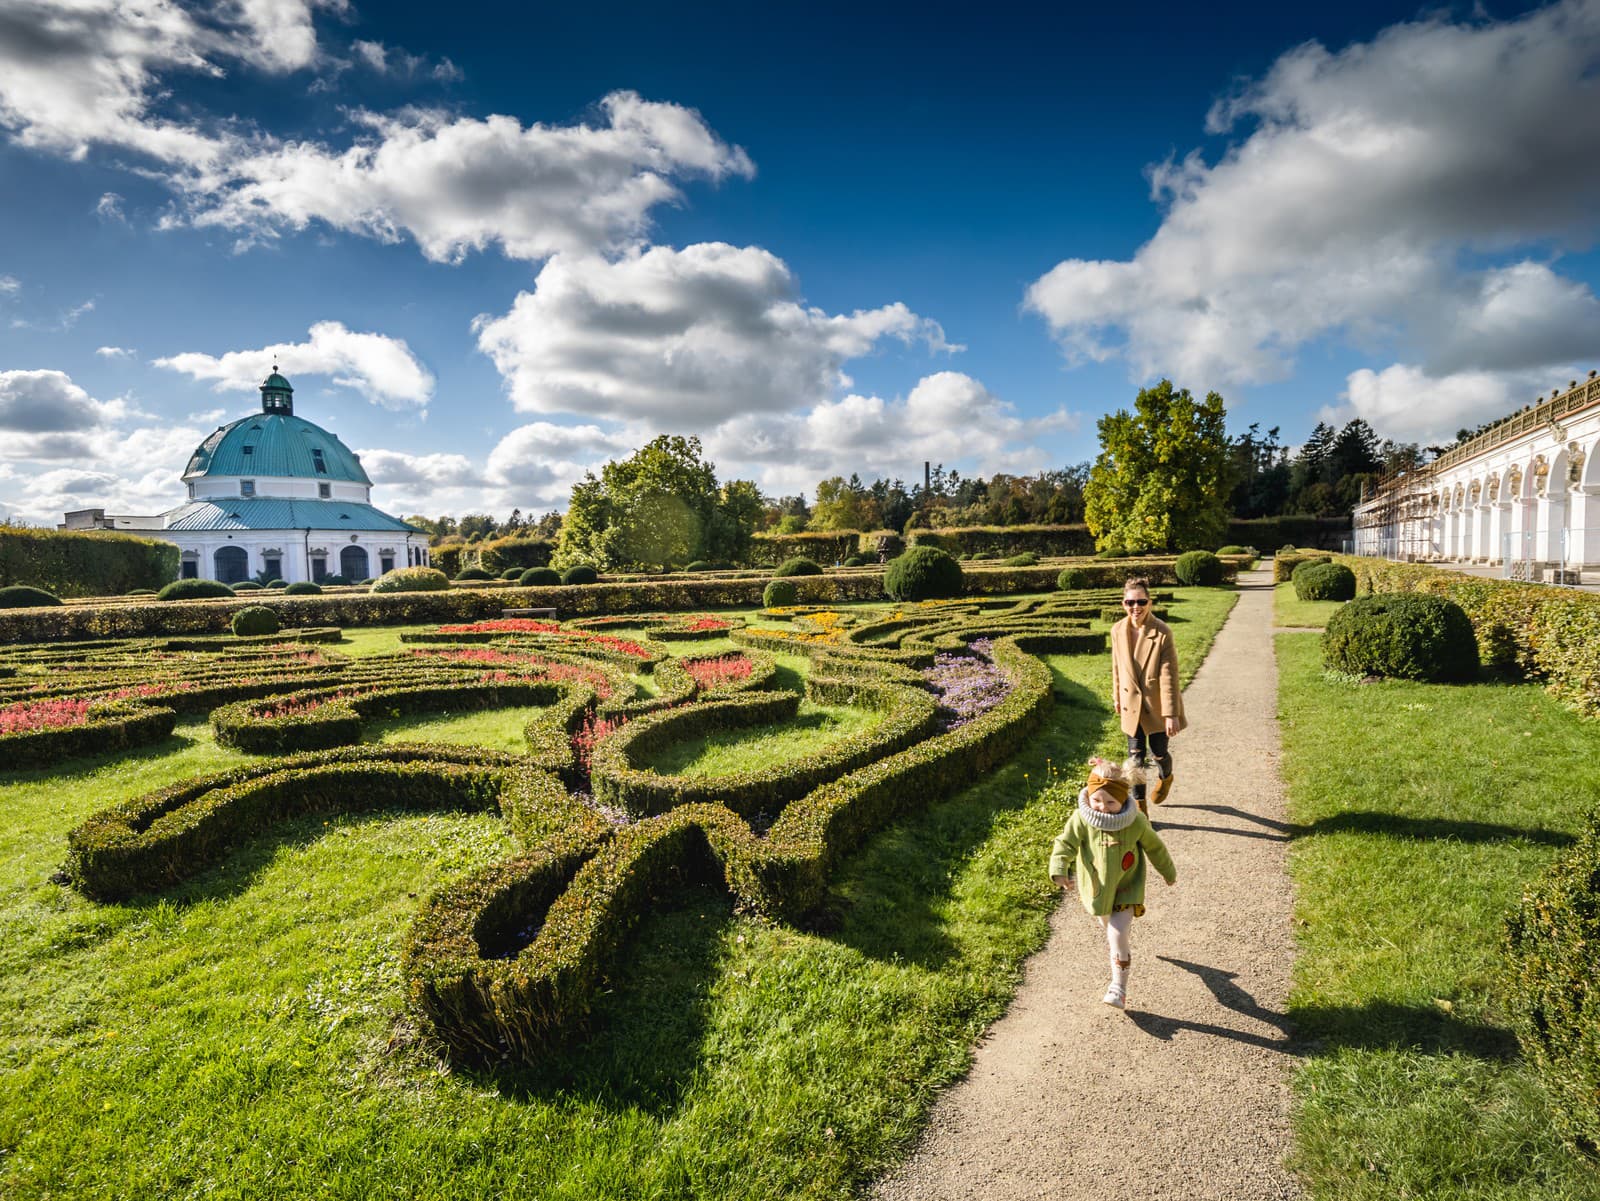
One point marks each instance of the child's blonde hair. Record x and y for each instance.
(1129, 771)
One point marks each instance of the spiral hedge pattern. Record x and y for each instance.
(505, 962)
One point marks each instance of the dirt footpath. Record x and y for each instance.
(1186, 1094)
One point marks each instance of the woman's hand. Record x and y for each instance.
(1172, 726)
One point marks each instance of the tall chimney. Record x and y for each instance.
(927, 476)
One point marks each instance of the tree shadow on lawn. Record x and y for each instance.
(81, 767)
(1315, 1030)
(1388, 825)
(887, 900)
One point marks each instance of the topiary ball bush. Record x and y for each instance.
(412, 579)
(1551, 956)
(580, 574)
(539, 577)
(1198, 569)
(20, 596)
(1232, 550)
(193, 590)
(142, 592)
(855, 561)
(1026, 559)
(472, 573)
(799, 565)
(1072, 578)
(255, 619)
(700, 565)
(302, 588)
(1404, 635)
(780, 594)
(511, 573)
(277, 583)
(246, 586)
(923, 573)
(1324, 581)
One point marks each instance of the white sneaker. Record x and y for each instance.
(1116, 996)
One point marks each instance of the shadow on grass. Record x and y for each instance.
(887, 900)
(69, 771)
(1313, 1030)
(1389, 825)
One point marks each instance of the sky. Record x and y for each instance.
(493, 246)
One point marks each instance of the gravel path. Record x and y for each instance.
(1185, 1095)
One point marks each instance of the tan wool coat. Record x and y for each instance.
(1145, 681)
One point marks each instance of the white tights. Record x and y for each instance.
(1119, 936)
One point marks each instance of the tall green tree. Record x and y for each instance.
(659, 507)
(1162, 478)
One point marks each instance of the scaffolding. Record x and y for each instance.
(1395, 517)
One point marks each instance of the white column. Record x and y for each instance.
(1551, 519)
(1499, 526)
(1483, 548)
(1583, 528)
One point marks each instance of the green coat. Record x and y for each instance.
(1109, 863)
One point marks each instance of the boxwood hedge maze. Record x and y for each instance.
(502, 964)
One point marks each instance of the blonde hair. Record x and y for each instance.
(1129, 771)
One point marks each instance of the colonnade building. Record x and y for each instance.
(1523, 495)
(272, 496)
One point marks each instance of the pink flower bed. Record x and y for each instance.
(708, 623)
(589, 734)
(708, 673)
(532, 667)
(523, 625)
(24, 717)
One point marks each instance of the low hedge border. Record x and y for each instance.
(169, 835)
(1283, 565)
(1532, 630)
(111, 726)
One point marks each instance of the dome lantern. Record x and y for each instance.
(276, 394)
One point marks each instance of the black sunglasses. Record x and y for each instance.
(1137, 603)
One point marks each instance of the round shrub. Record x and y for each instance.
(302, 588)
(1552, 985)
(1198, 568)
(254, 619)
(511, 573)
(412, 579)
(472, 573)
(1402, 634)
(337, 581)
(1232, 550)
(277, 583)
(180, 590)
(539, 577)
(1324, 581)
(1026, 559)
(780, 593)
(922, 573)
(582, 573)
(20, 596)
(855, 561)
(142, 592)
(799, 565)
(1072, 578)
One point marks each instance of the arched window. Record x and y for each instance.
(353, 563)
(231, 564)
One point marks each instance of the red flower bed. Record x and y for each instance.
(592, 731)
(27, 716)
(708, 673)
(533, 667)
(504, 625)
(708, 623)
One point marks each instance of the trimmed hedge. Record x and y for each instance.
(579, 575)
(797, 566)
(20, 596)
(1198, 569)
(780, 594)
(539, 577)
(1072, 579)
(255, 620)
(1551, 980)
(1405, 637)
(1285, 562)
(81, 563)
(412, 579)
(471, 574)
(923, 573)
(302, 588)
(768, 550)
(111, 726)
(184, 590)
(1324, 582)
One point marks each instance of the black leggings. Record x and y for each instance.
(1157, 745)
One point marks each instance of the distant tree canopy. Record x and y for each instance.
(660, 507)
(1164, 473)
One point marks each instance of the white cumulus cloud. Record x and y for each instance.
(680, 337)
(381, 368)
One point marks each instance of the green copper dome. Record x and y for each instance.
(276, 381)
(276, 444)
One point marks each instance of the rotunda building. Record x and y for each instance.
(273, 496)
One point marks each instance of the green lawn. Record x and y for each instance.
(246, 1034)
(1290, 610)
(1418, 813)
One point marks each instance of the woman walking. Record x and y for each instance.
(1144, 686)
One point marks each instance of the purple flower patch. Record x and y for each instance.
(966, 685)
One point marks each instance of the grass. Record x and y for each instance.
(726, 752)
(1290, 610)
(246, 1035)
(1418, 812)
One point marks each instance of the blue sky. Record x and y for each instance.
(494, 250)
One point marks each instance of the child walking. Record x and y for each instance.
(1106, 842)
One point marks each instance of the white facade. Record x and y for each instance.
(1524, 495)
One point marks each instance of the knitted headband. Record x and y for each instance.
(1117, 788)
